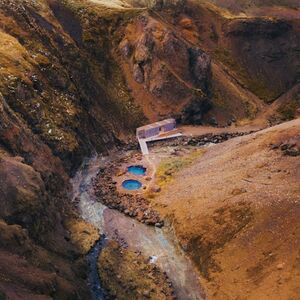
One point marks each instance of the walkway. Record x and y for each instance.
(143, 142)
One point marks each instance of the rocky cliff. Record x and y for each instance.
(77, 77)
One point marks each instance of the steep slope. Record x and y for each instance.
(236, 213)
(188, 59)
(33, 209)
(56, 86)
(287, 106)
(254, 49)
(50, 117)
(77, 77)
(257, 53)
(248, 6)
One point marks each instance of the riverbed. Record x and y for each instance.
(157, 244)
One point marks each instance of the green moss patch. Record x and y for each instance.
(287, 111)
(256, 85)
(169, 167)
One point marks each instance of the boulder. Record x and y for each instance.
(156, 189)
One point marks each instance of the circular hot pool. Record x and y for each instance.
(131, 185)
(137, 170)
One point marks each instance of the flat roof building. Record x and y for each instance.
(155, 129)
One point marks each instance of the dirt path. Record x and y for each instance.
(202, 130)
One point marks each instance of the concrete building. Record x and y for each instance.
(156, 129)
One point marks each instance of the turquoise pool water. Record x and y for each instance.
(131, 185)
(137, 170)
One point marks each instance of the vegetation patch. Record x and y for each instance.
(83, 235)
(256, 85)
(99, 37)
(169, 167)
(288, 111)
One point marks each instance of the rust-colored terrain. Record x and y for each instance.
(236, 213)
(78, 76)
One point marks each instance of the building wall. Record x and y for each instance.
(152, 132)
(147, 133)
(141, 134)
(169, 126)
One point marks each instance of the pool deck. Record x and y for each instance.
(143, 142)
(124, 174)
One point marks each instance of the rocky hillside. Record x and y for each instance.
(78, 76)
(236, 212)
(246, 6)
(206, 64)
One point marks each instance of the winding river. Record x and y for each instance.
(155, 243)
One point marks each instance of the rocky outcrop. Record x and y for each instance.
(78, 77)
(22, 191)
(170, 73)
(83, 235)
(289, 147)
(34, 272)
(200, 66)
(238, 6)
(44, 135)
(194, 113)
(269, 48)
(129, 275)
(33, 239)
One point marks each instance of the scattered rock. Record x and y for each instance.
(134, 206)
(156, 189)
(275, 146)
(146, 294)
(289, 148)
(215, 139)
(213, 121)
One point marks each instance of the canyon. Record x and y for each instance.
(77, 77)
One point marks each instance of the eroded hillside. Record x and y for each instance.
(78, 76)
(236, 213)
